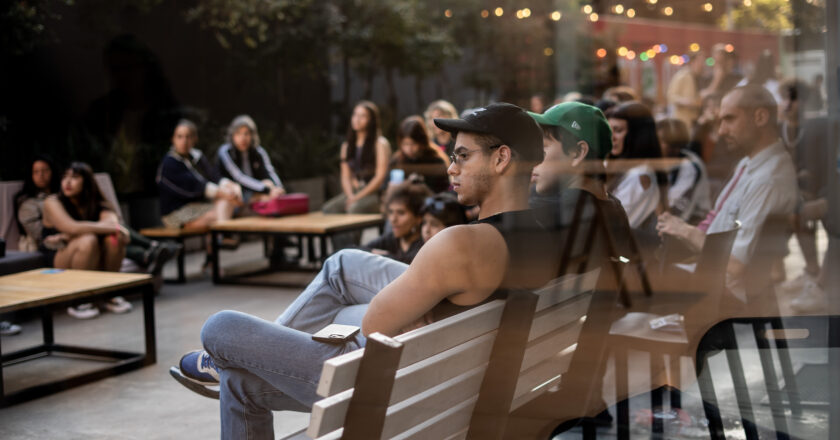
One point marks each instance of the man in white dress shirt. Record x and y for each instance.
(763, 186)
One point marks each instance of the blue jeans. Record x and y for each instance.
(267, 366)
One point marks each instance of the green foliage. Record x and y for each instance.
(771, 15)
(24, 24)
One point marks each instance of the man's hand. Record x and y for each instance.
(669, 224)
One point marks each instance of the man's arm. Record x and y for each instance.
(465, 264)
(669, 224)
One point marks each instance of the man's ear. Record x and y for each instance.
(503, 158)
(760, 117)
(580, 155)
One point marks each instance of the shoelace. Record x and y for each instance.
(206, 362)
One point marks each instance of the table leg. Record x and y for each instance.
(323, 241)
(149, 324)
(214, 257)
(2, 389)
(310, 247)
(182, 275)
(47, 326)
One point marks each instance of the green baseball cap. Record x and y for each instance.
(584, 121)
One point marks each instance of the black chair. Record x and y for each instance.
(785, 333)
(633, 331)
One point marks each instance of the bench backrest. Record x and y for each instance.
(426, 383)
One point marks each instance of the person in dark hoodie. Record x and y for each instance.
(191, 192)
(242, 160)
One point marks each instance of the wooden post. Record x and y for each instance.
(372, 391)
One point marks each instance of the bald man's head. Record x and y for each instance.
(748, 119)
(752, 98)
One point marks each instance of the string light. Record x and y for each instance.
(519, 14)
(708, 7)
(653, 2)
(657, 48)
(710, 61)
(643, 56)
(448, 13)
(601, 53)
(556, 15)
(668, 11)
(526, 12)
(587, 9)
(622, 51)
(694, 47)
(748, 3)
(619, 9)
(593, 17)
(499, 12)
(729, 48)
(485, 13)
(631, 55)
(631, 12)
(548, 51)
(675, 59)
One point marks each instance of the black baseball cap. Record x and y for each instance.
(505, 121)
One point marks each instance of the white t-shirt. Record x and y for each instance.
(639, 203)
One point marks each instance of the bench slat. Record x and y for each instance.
(551, 344)
(412, 380)
(447, 424)
(559, 315)
(418, 409)
(543, 375)
(339, 373)
(566, 287)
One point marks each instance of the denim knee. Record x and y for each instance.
(219, 328)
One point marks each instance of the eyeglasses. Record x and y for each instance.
(461, 157)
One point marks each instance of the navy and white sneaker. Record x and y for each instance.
(197, 372)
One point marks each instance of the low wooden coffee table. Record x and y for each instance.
(50, 289)
(304, 226)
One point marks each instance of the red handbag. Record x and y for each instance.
(295, 203)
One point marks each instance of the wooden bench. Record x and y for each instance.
(458, 377)
(305, 227)
(49, 289)
(177, 235)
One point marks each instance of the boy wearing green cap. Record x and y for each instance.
(576, 138)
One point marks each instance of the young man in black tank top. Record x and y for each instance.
(495, 150)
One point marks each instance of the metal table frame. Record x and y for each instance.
(121, 361)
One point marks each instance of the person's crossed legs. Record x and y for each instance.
(265, 366)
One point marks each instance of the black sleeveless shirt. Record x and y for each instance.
(533, 257)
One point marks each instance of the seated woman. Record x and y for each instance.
(440, 212)
(242, 160)
(638, 186)
(92, 237)
(443, 139)
(403, 203)
(417, 156)
(191, 192)
(689, 196)
(364, 164)
(29, 209)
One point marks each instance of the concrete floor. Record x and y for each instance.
(149, 404)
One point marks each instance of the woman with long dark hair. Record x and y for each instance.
(635, 183)
(93, 238)
(364, 163)
(417, 155)
(29, 202)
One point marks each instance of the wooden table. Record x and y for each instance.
(304, 226)
(50, 289)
